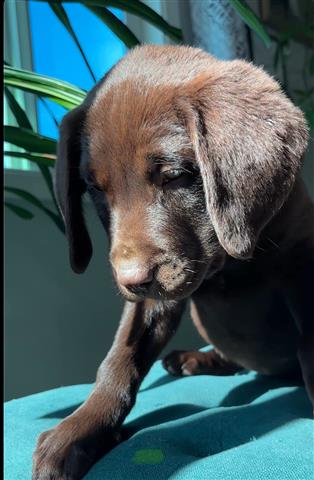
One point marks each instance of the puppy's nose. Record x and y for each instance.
(133, 275)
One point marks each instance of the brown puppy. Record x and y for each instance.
(193, 166)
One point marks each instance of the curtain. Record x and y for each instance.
(218, 29)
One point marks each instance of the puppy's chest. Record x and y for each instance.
(246, 320)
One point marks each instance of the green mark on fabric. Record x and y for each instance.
(148, 456)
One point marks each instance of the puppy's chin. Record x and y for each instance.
(158, 293)
(175, 280)
(132, 297)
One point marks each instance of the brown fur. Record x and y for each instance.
(233, 232)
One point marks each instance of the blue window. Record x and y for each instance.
(55, 53)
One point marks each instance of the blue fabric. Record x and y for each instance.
(241, 427)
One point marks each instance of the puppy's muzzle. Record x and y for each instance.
(134, 276)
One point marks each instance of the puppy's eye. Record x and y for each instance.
(94, 188)
(97, 188)
(172, 174)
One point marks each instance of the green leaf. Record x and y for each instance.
(295, 31)
(19, 114)
(42, 162)
(304, 95)
(249, 17)
(33, 157)
(43, 79)
(48, 179)
(311, 65)
(301, 93)
(59, 11)
(139, 9)
(310, 119)
(143, 11)
(30, 198)
(115, 25)
(29, 140)
(19, 211)
(56, 90)
(277, 56)
(34, 142)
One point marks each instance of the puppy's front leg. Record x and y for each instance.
(68, 451)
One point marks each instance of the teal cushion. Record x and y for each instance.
(235, 427)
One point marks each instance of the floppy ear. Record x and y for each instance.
(249, 140)
(69, 188)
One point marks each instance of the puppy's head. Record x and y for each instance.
(186, 158)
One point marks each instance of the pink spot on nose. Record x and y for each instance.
(133, 273)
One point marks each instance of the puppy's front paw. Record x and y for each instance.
(198, 363)
(180, 363)
(68, 451)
